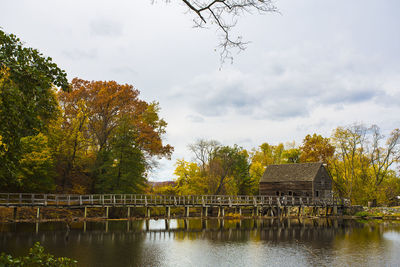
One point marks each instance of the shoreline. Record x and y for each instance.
(28, 215)
(139, 218)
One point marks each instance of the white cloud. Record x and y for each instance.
(316, 66)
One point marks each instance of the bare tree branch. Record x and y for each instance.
(224, 14)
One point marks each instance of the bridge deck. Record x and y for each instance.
(141, 200)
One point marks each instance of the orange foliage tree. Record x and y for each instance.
(104, 126)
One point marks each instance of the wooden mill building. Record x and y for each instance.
(302, 179)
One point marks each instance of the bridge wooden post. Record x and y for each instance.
(167, 225)
(129, 213)
(38, 213)
(15, 213)
(107, 212)
(240, 211)
(168, 211)
(206, 212)
(219, 211)
(334, 210)
(187, 211)
(223, 211)
(148, 212)
(85, 213)
(203, 224)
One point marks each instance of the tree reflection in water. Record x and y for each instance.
(210, 242)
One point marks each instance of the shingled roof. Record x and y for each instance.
(291, 172)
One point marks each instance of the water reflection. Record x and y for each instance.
(199, 242)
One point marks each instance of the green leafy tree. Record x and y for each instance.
(229, 170)
(36, 169)
(27, 100)
(124, 165)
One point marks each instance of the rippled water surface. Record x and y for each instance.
(215, 242)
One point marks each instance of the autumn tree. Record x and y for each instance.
(383, 157)
(27, 100)
(190, 179)
(316, 148)
(350, 165)
(122, 132)
(363, 163)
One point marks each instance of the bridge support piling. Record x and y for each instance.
(168, 212)
(167, 225)
(240, 211)
(15, 213)
(85, 213)
(335, 210)
(203, 224)
(187, 211)
(148, 213)
(37, 213)
(106, 212)
(128, 215)
(221, 223)
(206, 212)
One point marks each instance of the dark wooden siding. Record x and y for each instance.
(322, 183)
(299, 188)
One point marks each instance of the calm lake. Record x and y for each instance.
(196, 242)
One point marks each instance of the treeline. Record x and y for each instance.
(361, 161)
(85, 137)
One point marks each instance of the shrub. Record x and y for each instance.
(36, 257)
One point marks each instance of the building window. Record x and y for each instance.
(317, 193)
(277, 193)
(290, 193)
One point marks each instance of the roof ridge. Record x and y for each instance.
(304, 163)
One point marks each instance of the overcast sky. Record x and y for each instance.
(315, 66)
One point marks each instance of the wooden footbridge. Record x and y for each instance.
(257, 205)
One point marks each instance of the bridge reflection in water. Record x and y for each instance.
(265, 229)
(180, 242)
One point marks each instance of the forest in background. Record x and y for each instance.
(100, 137)
(363, 164)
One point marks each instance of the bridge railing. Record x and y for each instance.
(25, 199)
